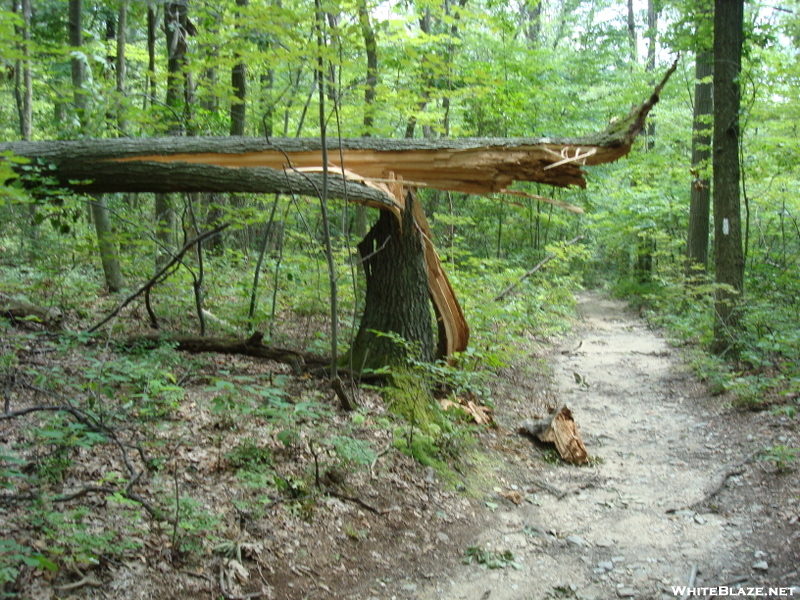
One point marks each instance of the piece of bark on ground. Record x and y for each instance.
(559, 428)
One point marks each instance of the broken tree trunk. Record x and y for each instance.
(471, 165)
(370, 171)
(559, 428)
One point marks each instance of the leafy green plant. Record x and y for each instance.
(76, 537)
(63, 437)
(353, 451)
(13, 555)
(194, 524)
(9, 471)
(781, 456)
(491, 559)
(248, 455)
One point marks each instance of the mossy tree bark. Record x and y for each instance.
(397, 299)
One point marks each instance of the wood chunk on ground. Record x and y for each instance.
(560, 429)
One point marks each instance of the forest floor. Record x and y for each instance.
(638, 520)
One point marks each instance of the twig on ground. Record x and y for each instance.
(690, 582)
(730, 471)
(355, 499)
(89, 580)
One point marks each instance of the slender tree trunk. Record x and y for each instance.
(700, 193)
(122, 39)
(152, 27)
(371, 84)
(371, 81)
(23, 84)
(728, 255)
(652, 36)
(411, 124)
(175, 31)
(78, 66)
(532, 13)
(634, 51)
(107, 245)
(239, 86)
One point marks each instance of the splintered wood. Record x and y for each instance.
(560, 429)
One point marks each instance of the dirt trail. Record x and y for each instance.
(610, 536)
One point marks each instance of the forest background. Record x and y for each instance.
(425, 69)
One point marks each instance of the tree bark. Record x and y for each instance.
(532, 14)
(152, 26)
(700, 193)
(107, 246)
(397, 295)
(371, 80)
(239, 86)
(728, 254)
(470, 165)
(634, 51)
(650, 67)
(23, 84)
(122, 39)
(175, 31)
(75, 26)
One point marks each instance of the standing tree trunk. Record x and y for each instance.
(634, 51)
(239, 86)
(397, 298)
(700, 194)
(23, 81)
(371, 84)
(238, 112)
(76, 62)
(99, 211)
(122, 40)
(652, 36)
(729, 258)
(532, 17)
(152, 27)
(107, 245)
(175, 32)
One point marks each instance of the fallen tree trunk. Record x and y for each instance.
(25, 311)
(470, 165)
(299, 361)
(560, 429)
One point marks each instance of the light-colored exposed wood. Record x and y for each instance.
(560, 429)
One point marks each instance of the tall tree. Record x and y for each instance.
(532, 17)
(121, 64)
(632, 40)
(239, 86)
(23, 80)
(77, 62)
(700, 192)
(728, 254)
(176, 31)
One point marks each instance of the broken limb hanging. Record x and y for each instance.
(371, 171)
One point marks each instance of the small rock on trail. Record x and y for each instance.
(611, 536)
